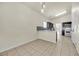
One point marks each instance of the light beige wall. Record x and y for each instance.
(17, 25)
(75, 25)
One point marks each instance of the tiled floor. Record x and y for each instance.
(40, 47)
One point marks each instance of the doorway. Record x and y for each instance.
(66, 28)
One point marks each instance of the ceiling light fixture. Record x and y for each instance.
(42, 10)
(64, 12)
(43, 7)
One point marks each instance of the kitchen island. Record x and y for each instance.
(48, 35)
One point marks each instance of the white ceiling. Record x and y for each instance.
(51, 9)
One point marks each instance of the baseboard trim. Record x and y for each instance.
(15, 46)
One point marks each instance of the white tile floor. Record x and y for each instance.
(40, 47)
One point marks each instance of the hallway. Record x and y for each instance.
(44, 48)
(67, 47)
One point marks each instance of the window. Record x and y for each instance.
(45, 24)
